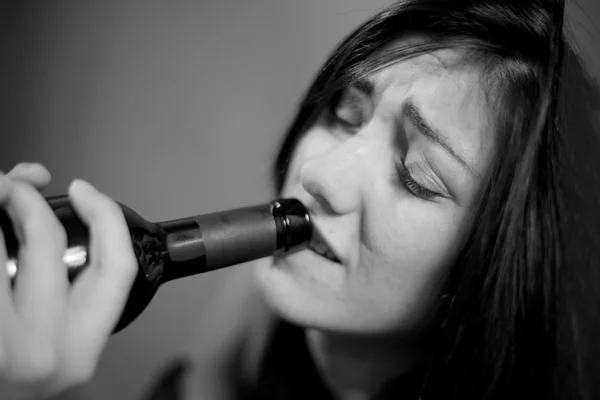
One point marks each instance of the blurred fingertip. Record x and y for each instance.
(40, 168)
(29, 167)
(80, 187)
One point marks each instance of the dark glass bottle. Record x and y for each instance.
(175, 249)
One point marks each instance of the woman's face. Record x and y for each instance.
(389, 176)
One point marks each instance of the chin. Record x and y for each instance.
(306, 290)
(316, 295)
(294, 293)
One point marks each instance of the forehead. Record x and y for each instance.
(448, 93)
(442, 71)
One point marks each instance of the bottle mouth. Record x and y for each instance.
(294, 227)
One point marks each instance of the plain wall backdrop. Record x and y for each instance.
(174, 108)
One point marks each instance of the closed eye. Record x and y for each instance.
(414, 187)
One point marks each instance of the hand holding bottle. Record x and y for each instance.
(52, 333)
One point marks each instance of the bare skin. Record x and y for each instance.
(395, 235)
(52, 334)
(393, 204)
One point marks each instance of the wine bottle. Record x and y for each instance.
(175, 249)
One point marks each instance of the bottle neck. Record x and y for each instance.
(207, 242)
(212, 241)
(184, 246)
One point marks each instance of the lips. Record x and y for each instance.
(320, 246)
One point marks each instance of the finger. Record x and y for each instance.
(41, 287)
(6, 303)
(33, 173)
(5, 292)
(6, 187)
(99, 295)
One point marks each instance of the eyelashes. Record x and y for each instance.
(413, 186)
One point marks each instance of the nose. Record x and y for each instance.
(337, 179)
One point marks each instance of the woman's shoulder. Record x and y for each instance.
(225, 352)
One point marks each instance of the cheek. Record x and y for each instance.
(409, 226)
(403, 266)
(411, 252)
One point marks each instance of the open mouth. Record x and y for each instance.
(319, 246)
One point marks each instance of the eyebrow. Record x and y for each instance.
(411, 111)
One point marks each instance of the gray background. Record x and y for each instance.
(174, 108)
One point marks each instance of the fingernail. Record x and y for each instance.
(28, 166)
(79, 186)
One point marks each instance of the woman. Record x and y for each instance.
(445, 152)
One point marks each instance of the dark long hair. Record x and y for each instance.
(519, 309)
